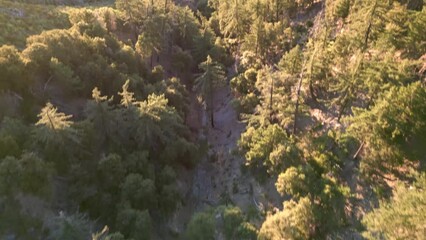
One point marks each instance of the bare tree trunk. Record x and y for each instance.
(311, 91)
(311, 69)
(151, 59)
(211, 110)
(47, 83)
(370, 25)
(152, 7)
(297, 103)
(358, 151)
(212, 118)
(271, 93)
(342, 109)
(210, 102)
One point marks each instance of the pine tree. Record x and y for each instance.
(99, 113)
(268, 148)
(390, 129)
(212, 77)
(53, 120)
(255, 40)
(12, 68)
(127, 99)
(150, 41)
(402, 217)
(137, 224)
(56, 137)
(295, 221)
(201, 226)
(233, 18)
(139, 192)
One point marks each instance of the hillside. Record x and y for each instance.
(211, 119)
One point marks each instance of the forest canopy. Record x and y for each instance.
(212, 119)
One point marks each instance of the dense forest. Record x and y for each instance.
(212, 119)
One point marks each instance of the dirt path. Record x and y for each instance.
(217, 178)
(216, 175)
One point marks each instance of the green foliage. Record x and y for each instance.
(86, 22)
(114, 155)
(295, 221)
(392, 129)
(55, 136)
(69, 227)
(232, 218)
(16, 129)
(139, 192)
(342, 8)
(175, 92)
(268, 147)
(233, 18)
(119, 157)
(64, 75)
(149, 41)
(9, 172)
(28, 174)
(138, 162)
(169, 198)
(291, 62)
(226, 220)
(265, 38)
(19, 20)
(137, 224)
(134, 132)
(292, 182)
(243, 86)
(181, 60)
(8, 147)
(246, 231)
(99, 112)
(201, 226)
(14, 219)
(107, 60)
(12, 68)
(315, 178)
(244, 83)
(212, 78)
(115, 236)
(276, 102)
(402, 217)
(111, 171)
(34, 175)
(52, 120)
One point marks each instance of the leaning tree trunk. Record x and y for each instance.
(342, 109)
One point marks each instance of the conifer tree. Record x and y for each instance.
(12, 70)
(295, 221)
(402, 217)
(56, 136)
(100, 114)
(212, 77)
(233, 18)
(389, 127)
(269, 148)
(150, 41)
